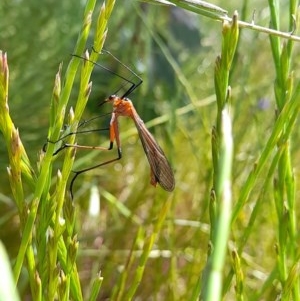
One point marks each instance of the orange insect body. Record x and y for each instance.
(161, 172)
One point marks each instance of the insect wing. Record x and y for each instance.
(160, 167)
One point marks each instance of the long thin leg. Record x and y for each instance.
(133, 85)
(114, 135)
(67, 135)
(81, 124)
(77, 173)
(84, 122)
(66, 145)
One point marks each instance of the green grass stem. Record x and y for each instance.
(229, 230)
(45, 274)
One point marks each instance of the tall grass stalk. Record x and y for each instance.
(235, 267)
(284, 181)
(47, 217)
(222, 153)
(8, 289)
(286, 95)
(217, 13)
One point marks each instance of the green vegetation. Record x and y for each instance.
(222, 104)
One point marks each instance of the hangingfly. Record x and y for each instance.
(160, 172)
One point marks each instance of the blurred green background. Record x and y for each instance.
(174, 52)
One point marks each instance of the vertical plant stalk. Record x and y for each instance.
(148, 245)
(119, 289)
(8, 290)
(284, 182)
(65, 249)
(18, 159)
(43, 181)
(212, 277)
(19, 166)
(46, 276)
(222, 153)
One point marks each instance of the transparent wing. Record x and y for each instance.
(161, 171)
